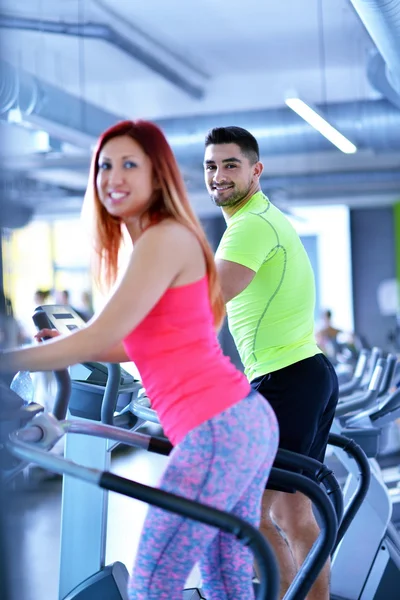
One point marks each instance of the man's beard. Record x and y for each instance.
(232, 200)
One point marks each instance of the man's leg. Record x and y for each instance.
(294, 515)
(303, 396)
(283, 553)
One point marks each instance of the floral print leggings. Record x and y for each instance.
(224, 463)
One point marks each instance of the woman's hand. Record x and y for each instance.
(43, 334)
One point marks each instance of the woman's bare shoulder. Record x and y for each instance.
(175, 230)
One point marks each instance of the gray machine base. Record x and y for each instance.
(111, 584)
(108, 584)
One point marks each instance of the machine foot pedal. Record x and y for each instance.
(193, 594)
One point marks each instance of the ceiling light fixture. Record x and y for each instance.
(321, 124)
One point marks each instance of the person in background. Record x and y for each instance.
(41, 297)
(326, 336)
(87, 306)
(63, 297)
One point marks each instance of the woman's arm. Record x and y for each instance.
(116, 354)
(156, 261)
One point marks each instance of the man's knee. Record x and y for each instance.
(293, 514)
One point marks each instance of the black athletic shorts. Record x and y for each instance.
(304, 397)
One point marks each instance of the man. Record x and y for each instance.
(268, 284)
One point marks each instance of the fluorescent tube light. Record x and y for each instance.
(320, 124)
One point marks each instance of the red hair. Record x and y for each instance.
(171, 200)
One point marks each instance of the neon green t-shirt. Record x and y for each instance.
(272, 320)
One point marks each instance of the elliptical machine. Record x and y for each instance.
(32, 444)
(371, 536)
(83, 572)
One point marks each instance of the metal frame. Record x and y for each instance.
(104, 480)
(365, 538)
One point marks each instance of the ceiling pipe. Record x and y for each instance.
(106, 33)
(339, 179)
(378, 78)
(381, 19)
(370, 124)
(51, 108)
(373, 125)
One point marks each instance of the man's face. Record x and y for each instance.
(229, 174)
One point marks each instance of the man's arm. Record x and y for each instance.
(242, 251)
(234, 278)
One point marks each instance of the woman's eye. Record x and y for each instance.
(104, 166)
(129, 164)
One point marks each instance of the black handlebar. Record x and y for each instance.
(350, 386)
(354, 450)
(322, 548)
(325, 542)
(331, 512)
(390, 368)
(314, 562)
(243, 531)
(62, 377)
(320, 473)
(110, 397)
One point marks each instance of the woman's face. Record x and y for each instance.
(125, 180)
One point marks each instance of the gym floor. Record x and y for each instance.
(35, 526)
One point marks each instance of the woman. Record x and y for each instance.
(163, 315)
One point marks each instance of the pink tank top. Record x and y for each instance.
(186, 376)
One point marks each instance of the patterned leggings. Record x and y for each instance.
(225, 463)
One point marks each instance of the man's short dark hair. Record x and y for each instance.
(235, 135)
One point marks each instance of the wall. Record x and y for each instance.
(48, 256)
(331, 225)
(373, 259)
(310, 243)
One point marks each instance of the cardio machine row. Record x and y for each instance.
(104, 393)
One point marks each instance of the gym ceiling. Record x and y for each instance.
(71, 68)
